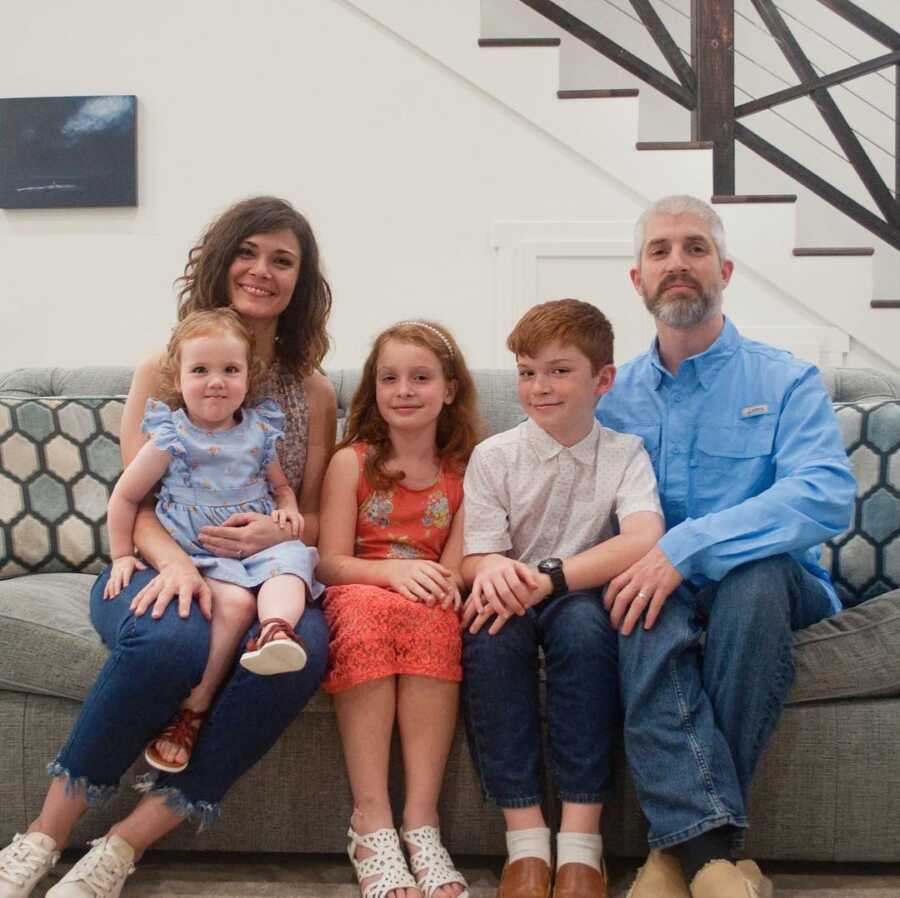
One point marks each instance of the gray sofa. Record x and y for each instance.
(828, 788)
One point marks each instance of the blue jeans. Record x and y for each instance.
(698, 713)
(152, 667)
(500, 699)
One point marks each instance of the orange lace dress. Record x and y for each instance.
(376, 632)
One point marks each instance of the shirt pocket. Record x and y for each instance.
(732, 462)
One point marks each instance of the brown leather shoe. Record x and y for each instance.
(526, 878)
(579, 881)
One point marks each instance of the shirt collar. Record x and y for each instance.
(547, 448)
(707, 364)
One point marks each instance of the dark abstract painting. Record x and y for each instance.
(68, 151)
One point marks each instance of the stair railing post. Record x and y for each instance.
(712, 55)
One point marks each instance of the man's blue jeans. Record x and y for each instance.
(151, 668)
(500, 699)
(698, 713)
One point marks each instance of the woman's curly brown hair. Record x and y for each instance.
(204, 324)
(458, 425)
(301, 340)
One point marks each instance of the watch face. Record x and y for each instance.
(548, 565)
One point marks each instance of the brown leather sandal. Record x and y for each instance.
(180, 731)
(267, 655)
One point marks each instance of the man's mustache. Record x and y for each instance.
(686, 279)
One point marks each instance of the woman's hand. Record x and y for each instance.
(243, 534)
(120, 574)
(179, 580)
(423, 581)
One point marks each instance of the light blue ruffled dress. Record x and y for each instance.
(212, 476)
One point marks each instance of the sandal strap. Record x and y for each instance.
(386, 862)
(268, 628)
(180, 730)
(433, 857)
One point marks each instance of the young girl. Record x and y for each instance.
(216, 458)
(391, 543)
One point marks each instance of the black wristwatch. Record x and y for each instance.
(553, 568)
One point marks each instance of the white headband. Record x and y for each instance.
(433, 330)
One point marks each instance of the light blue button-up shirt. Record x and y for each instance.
(747, 453)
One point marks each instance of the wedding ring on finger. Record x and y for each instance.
(643, 595)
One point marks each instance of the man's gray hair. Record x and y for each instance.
(681, 205)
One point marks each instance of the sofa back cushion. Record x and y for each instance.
(59, 459)
(865, 560)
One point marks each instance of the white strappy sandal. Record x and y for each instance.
(431, 856)
(386, 862)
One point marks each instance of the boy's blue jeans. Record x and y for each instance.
(698, 713)
(151, 668)
(500, 697)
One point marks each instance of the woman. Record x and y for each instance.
(260, 257)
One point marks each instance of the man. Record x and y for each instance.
(753, 477)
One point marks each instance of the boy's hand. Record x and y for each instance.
(422, 581)
(120, 574)
(503, 587)
(293, 519)
(645, 585)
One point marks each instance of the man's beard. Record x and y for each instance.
(683, 310)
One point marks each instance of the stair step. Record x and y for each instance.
(885, 303)
(585, 94)
(518, 42)
(834, 251)
(674, 145)
(757, 198)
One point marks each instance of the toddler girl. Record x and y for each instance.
(391, 544)
(216, 458)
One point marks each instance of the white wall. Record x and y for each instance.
(403, 167)
(400, 167)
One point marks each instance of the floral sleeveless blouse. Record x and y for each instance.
(288, 391)
(404, 523)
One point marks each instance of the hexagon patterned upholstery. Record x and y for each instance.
(865, 561)
(59, 458)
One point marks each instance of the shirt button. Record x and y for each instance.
(677, 397)
(676, 450)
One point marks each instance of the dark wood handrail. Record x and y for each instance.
(706, 88)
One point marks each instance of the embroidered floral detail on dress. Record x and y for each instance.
(214, 450)
(402, 548)
(437, 512)
(378, 507)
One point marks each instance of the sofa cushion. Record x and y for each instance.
(865, 560)
(854, 654)
(59, 459)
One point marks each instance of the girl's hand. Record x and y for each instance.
(453, 599)
(176, 580)
(243, 534)
(292, 518)
(120, 574)
(422, 581)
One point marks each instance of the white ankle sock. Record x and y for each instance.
(521, 843)
(579, 848)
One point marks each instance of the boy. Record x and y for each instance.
(541, 501)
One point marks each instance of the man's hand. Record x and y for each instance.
(645, 586)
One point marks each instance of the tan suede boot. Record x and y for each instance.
(722, 879)
(660, 877)
(763, 884)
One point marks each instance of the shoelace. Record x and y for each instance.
(103, 870)
(20, 860)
